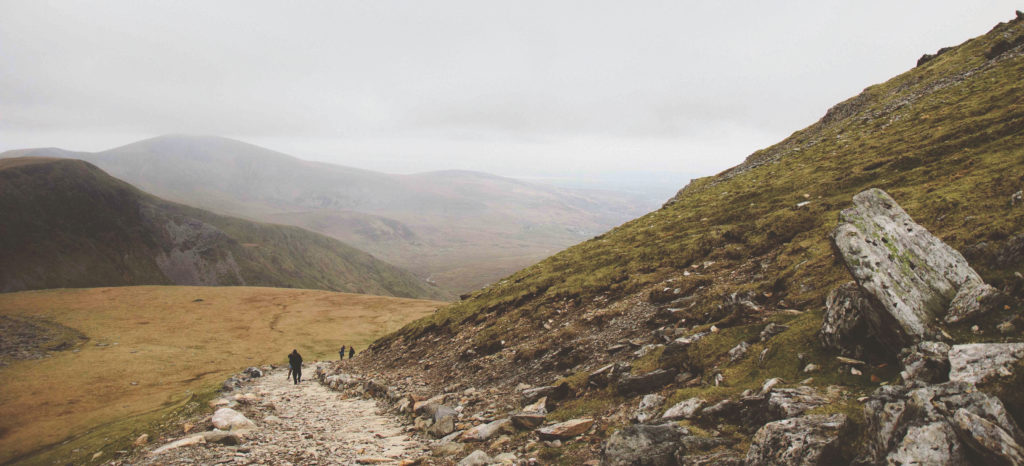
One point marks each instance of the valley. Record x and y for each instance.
(461, 229)
(144, 352)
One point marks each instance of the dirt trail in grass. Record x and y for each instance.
(306, 424)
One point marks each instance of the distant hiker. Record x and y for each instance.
(351, 351)
(295, 361)
(341, 354)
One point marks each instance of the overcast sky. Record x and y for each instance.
(517, 88)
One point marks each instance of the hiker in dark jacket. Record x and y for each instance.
(342, 352)
(351, 351)
(295, 361)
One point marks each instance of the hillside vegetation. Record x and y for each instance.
(462, 229)
(944, 139)
(133, 356)
(66, 223)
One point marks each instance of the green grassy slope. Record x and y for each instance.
(68, 224)
(946, 139)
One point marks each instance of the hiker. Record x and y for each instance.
(341, 353)
(351, 351)
(295, 362)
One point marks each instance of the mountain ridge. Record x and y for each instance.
(69, 224)
(464, 228)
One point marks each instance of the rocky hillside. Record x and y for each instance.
(66, 223)
(463, 229)
(748, 313)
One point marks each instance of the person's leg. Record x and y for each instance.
(298, 375)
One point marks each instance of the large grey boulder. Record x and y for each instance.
(908, 273)
(980, 362)
(805, 440)
(641, 444)
(916, 426)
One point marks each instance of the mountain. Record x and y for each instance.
(710, 298)
(66, 223)
(461, 229)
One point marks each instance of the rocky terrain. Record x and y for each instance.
(268, 420)
(849, 295)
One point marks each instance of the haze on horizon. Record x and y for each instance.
(634, 96)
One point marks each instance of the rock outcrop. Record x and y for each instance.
(916, 426)
(980, 362)
(805, 440)
(910, 275)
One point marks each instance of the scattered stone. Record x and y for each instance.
(771, 330)
(649, 406)
(686, 409)
(505, 458)
(193, 440)
(768, 385)
(540, 406)
(222, 437)
(483, 432)
(229, 419)
(141, 440)
(646, 383)
(850, 361)
(254, 372)
(565, 430)
(811, 368)
(806, 440)
(979, 362)
(553, 392)
(738, 351)
(854, 371)
(527, 421)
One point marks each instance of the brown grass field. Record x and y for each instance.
(151, 348)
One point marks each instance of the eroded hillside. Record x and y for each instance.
(742, 253)
(66, 223)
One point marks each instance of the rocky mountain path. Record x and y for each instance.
(306, 424)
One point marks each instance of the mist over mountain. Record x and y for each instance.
(460, 229)
(66, 223)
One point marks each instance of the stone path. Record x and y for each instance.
(306, 424)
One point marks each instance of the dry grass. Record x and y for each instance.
(171, 345)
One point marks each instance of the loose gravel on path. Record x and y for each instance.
(306, 424)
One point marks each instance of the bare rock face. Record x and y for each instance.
(918, 426)
(845, 328)
(909, 274)
(925, 363)
(644, 444)
(805, 440)
(646, 383)
(980, 362)
(992, 442)
(649, 407)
